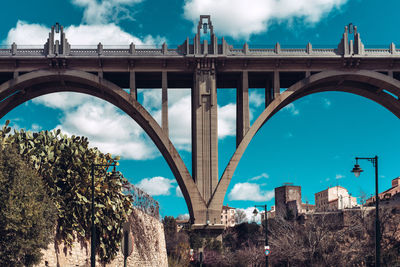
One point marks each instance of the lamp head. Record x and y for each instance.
(357, 170)
(57, 27)
(205, 28)
(255, 212)
(351, 28)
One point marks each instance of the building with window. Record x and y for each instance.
(228, 216)
(389, 197)
(287, 199)
(334, 198)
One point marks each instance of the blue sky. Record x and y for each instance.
(311, 142)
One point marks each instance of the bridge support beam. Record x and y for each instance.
(242, 107)
(205, 137)
(269, 93)
(277, 84)
(132, 85)
(164, 103)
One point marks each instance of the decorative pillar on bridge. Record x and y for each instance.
(205, 126)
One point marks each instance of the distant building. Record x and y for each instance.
(307, 208)
(270, 213)
(182, 225)
(334, 198)
(288, 199)
(228, 216)
(389, 197)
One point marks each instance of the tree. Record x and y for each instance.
(325, 239)
(177, 243)
(240, 216)
(64, 163)
(27, 214)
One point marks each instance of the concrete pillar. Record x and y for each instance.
(242, 107)
(164, 103)
(205, 47)
(205, 132)
(132, 49)
(132, 85)
(277, 84)
(269, 95)
(215, 44)
(14, 49)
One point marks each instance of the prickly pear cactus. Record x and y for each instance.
(65, 165)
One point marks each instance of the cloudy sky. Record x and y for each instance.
(311, 142)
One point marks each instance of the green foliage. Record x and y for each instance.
(213, 244)
(195, 240)
(65, 166)
(170, 227)
(27, 215)
(181, 258)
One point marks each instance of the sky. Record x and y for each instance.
(311, 142)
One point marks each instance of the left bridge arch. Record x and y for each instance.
(41, 82)
(369, 84)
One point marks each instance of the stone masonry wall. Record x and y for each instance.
(148, 250)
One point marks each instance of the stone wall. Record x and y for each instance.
(148, 250)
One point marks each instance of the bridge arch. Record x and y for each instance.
(375, 86)
(41, 82)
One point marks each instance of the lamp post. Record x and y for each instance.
(93, 238)
(255, 212)
(357, 171)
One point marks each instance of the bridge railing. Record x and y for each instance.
(189, 49)
(143, 201)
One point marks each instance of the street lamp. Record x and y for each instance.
(357, 171)
(255, 212)
(93, 238)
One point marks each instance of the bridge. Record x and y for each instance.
(202, 64)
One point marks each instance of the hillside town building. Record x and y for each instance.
(334, 198)
(228, 216)
(287, 198)
(389, 197)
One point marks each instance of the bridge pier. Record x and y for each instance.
(242, 107)
(205, 137)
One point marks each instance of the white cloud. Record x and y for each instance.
(250, 191)
(256, 99)
(110, 34)
(339, 176)
(258, 177)
(107, 128)
(178, 191)
(289, 135)
(254, 16)
(36, 127)
(226, 120)
(292, 109)
(104, 11)
(250, 216)
(183, 216)
(156, 186)
(180, 118)
(25, 33)
(63, 101)
(326, 102)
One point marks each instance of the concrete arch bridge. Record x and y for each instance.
(203, 65)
